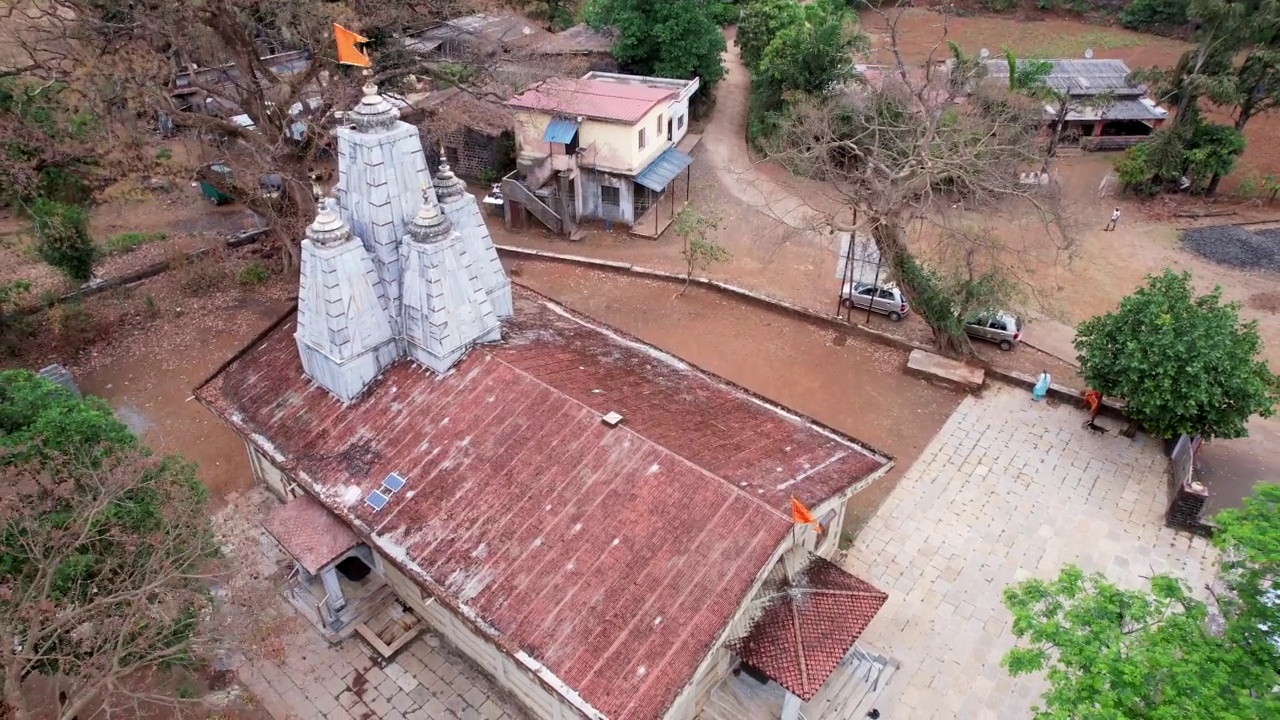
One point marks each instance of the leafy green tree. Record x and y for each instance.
(664, 38)
(1155, 15)
(102, 553)
(760, 23)
(1212, 154)
(700, 251)
(1118, 653)
(1185, 365)
(47, 148)
(813, 53)
(63, 239)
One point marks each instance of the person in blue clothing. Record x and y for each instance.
(1042, 386)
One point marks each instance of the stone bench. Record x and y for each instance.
(950, 372)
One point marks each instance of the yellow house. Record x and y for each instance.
(603, 146)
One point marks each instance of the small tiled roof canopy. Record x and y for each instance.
(310, 533)
(810, 626)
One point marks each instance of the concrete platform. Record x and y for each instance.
(950, 372)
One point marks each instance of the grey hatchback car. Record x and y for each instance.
(884, 299)
(1001, 328)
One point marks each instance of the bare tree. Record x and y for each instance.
(103, 584)
(904, 148)
(125, 56)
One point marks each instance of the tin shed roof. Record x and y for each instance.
(1081, 77)
(597, 99)
(610, 557)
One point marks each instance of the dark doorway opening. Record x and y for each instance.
(353, 569)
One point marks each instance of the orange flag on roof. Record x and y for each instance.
(802, 516)
(348, 53)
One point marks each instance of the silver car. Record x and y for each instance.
(884, 299)
(1001, 328)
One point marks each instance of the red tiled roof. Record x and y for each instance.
(612, 557)
(594, 98)
(807, 630)
(314, 536)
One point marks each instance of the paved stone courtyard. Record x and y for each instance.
(1008, 489)
(293, 674)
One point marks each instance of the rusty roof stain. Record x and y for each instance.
(592, 98)
(810, 626)
(310, 533)
(612, 557)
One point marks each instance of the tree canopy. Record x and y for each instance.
(664, 38)
(102, 552)
(1184, 364)
(1160, 654)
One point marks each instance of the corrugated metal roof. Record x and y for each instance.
(615, 557)
(1080, 77)
(560, 130)
(809, 627)
(598, 99)
(664, 169)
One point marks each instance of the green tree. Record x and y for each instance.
(1212, 154)
(760, 23)
(813, 53)
(102, 553)
(663, 38)
(1155, 15)
(1185, 365)
(700, 251)
(1117, 653)
(47, 148)
(63, 239)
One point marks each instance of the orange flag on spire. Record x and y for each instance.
(348, 53)
(802, 516)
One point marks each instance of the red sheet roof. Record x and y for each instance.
(599, 99)
(612, 557)
(815, 618)
(314, 536)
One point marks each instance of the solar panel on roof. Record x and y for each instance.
(376, 500)
(393, 482)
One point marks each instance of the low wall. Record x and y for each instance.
(1060, 392)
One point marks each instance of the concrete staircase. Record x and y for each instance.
(515, 191)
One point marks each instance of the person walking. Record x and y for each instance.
(1115, 218)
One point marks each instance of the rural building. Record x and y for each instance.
(495, 35)
(474, 132)
(604, 529)
(1105, 110)
(603, 147)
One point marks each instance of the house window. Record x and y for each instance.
(610, 195)
(660, 125)
(641, 137)
(680, 123)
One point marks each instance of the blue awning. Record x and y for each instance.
(662, 171)
(561, 130)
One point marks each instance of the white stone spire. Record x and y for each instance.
(344, 332)
(445, 308)
(461, 208)
(381, 172)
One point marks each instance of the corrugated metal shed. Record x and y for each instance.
(614, 557)
(560, 130)
(1081, 77)
(598, 99)
(664, 169)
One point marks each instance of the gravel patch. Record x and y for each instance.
(1235, 246)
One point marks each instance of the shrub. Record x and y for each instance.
(164, 154)
(63, 240)
(255, 273)
(14, 329)
(201, 274)
(1155, 14)
(124, 242)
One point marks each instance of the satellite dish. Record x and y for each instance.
(984, 53)
(1088, 53)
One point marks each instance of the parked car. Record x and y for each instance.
(884, 299)
(1001, 328)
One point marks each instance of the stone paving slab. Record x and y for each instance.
(1008, 489)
